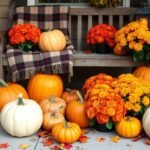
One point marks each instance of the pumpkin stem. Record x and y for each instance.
(80, 97)
(128, 118)
(66, 124)
(3, 83)
(52, 99)
(20, 100)
(69, 90)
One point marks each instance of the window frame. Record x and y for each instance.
(70, 4)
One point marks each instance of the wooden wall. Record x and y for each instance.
(4, 13)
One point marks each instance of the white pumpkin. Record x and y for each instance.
(146, 121)
(21, 117)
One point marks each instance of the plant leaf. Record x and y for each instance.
(138, 56)
(109, 125)
(92, 122)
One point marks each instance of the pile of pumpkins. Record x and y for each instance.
(43, 105)
(46, 105)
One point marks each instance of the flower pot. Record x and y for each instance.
(101, 48)
(102, 127)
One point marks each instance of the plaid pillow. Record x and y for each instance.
(25, 64)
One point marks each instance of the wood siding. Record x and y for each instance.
(4, 14)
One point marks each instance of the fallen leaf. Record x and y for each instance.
(54, 147)
(47, 141)
(83, 139)
(147, 141)
(24, 146)
(115, 139)
(84, 131)
(100, 139)
(4, 145)
(43, 134)
(139, 137)
(66, 146)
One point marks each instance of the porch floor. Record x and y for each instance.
(35, 143)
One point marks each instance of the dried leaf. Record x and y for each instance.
(147, 141)
(47, 141)
(43, 134)
(54, 147)
(115, 139)
(66, 146)
(84, 131)
(4, 145)
(138, 137)
(83, 139)
(24, 146)
(100, 139)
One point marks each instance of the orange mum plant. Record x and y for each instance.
(103, 105)
(24, 36)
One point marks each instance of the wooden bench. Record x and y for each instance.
(80, 21)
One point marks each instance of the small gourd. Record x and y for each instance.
(53, 103)
(70, 95)
(66, 132)
(129, 127)
(50, 119)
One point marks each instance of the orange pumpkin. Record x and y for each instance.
(66, 132)
(75, 112)
(129, 127)
(118, 51)
(42, 86)
(142, 72)
(10, 92)
(70, 95)
(53, 104)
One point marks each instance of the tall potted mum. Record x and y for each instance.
(103, 106)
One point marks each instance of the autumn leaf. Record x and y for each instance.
(138, 137)
(24, 146)
(115, 139)
(83, 139)
(47, 141)
(84, 131)
(43, 134)
(66, 146)
(4, 145)
(147, 141)
(100, 139)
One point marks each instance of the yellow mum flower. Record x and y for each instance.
(146, 100)
(133, 98)
(137, 107)
(138, 47)
(129, 105)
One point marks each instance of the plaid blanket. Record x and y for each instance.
(25, 64)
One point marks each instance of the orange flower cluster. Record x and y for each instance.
(101, 33)
(102, 103)
(21, 33)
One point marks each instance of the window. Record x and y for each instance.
(78, 3)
